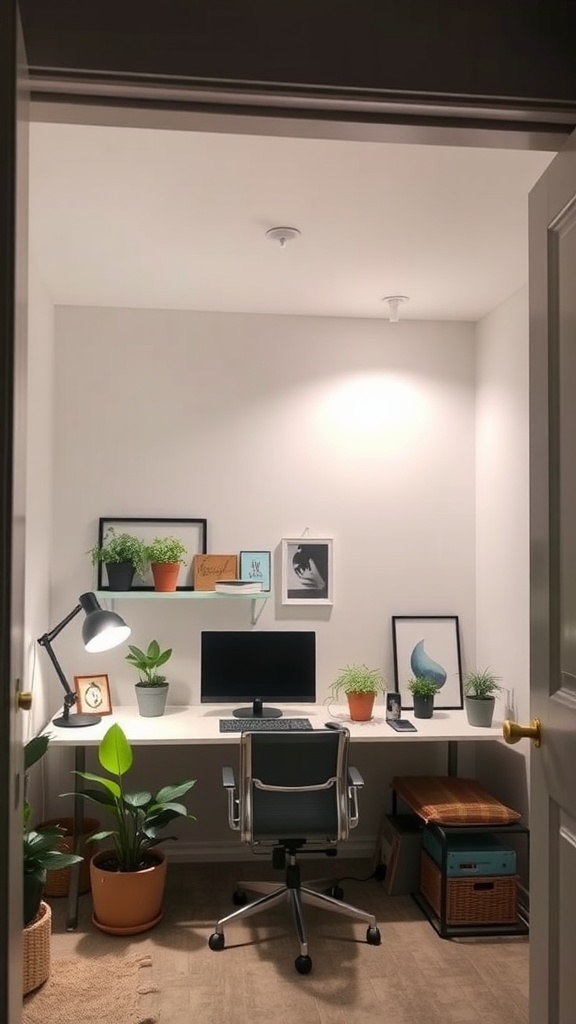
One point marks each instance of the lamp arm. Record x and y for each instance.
(46, 641)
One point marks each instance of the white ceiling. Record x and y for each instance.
(177, 220)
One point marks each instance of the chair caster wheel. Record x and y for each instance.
(303, 964)
(336, 892)
(373, 937)
(216, 941)
(239, 898)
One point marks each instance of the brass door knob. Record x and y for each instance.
(513, 732)
(24, 700)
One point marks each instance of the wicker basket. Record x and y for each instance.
(471, 900)
(36, 950)
(58, 882)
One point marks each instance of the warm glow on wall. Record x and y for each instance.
(374, 416)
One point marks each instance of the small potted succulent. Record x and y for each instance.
(361, 685)
(480, 691)
(152, 687)
(123, 555)
(423, 690)
(128, 879)
(166, 555)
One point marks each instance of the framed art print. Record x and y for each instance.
(192, 533)
(255, 567)
(93, 693)
(307, 570)
(428, 646)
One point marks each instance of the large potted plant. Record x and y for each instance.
(123, 555)
(152, 687)
(361, 685)
(423, 690)
(166, 555)
(480, 691)
(128, 879)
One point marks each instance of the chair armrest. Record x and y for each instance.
(355, 782)
(229, 783)
(354, 777)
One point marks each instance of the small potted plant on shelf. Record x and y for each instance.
(166, 555)
(423, 690)
(123, 555)
(480, 690)
(152, 687)
(361, 685)
(128, 880)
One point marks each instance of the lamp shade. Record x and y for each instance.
(101, 630)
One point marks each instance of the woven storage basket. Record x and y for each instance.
(58, 882)
(471, 900)
(36, 950)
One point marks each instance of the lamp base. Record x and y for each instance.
(78, 721)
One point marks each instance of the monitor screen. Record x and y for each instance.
(262, 667)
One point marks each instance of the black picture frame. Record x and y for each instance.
(428, 645)
(193, 532)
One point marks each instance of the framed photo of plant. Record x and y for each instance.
(428, 647)
(192, 534)
(93, 695)
(307, 570)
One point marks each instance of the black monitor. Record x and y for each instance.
(258, 667)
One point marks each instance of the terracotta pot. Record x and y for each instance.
(127, 902)
(165, 575)
(360, 706)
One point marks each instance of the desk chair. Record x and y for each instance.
(296, 793)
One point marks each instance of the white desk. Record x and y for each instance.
(200, 725)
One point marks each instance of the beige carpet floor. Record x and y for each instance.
(414, 977)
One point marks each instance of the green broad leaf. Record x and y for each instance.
(107, 784)
(137, 799)
(55, 861)
(170, 793)
(34, 750)
(153, 650)
(114, 752)
(161, 659)
(136, 653)
(97, 837)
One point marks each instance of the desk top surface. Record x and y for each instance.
(200, 724)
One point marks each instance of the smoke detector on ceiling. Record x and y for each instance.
(394, 302)
(283, 235)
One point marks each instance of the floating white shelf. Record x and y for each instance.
(175, 595)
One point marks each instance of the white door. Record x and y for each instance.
(553, 590)
(13, 344)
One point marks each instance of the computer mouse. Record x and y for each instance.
(333, 725)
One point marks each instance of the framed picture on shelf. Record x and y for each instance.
(93, 693)
(307, 570)
(428, 646)
(192, 532)
(255, 567)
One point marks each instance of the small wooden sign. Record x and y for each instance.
(209, 568)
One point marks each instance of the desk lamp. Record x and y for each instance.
(101, 630)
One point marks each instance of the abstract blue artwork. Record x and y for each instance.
(428, 647)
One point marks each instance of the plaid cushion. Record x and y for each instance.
(447, 800)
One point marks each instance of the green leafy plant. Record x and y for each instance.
(482, 684)
(148, 662)
(139, 817)
(120, 547)
(358, 679)
(166, 549)
(41, 847)
(421, 687)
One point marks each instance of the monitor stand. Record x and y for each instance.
(257, 711)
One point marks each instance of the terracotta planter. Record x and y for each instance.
(124, 902)
(360, 706)
(165, 575)
(36, 950)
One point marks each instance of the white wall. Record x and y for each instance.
(502, 530)
(358, 429)
(39, 495)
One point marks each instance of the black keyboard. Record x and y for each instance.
(266, 724)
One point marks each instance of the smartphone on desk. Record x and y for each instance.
(401, 725)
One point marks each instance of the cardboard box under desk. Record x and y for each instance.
(399, 847)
